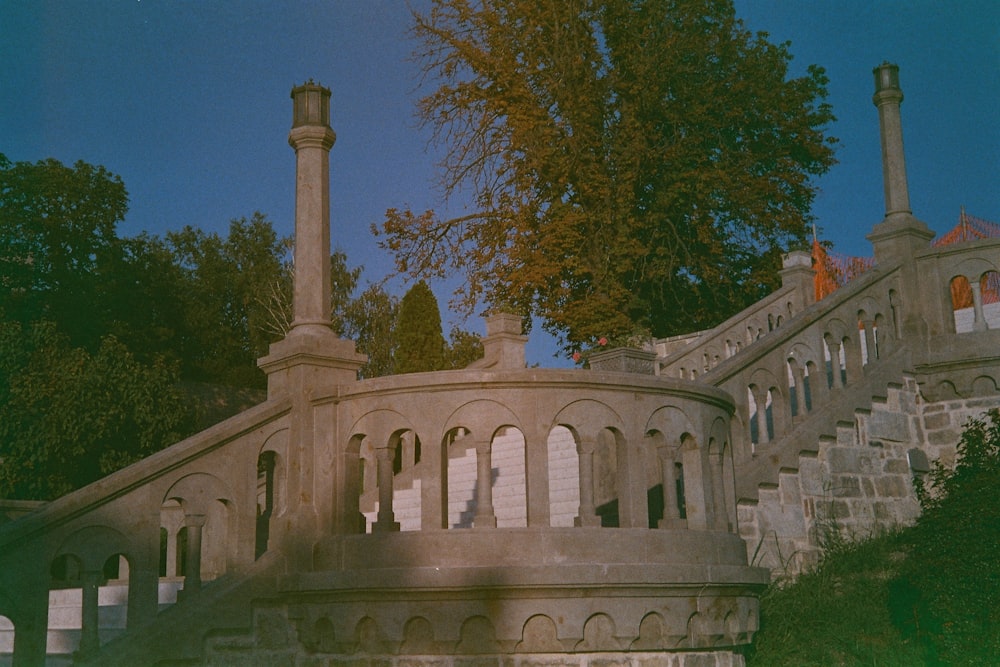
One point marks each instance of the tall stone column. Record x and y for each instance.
(312, 138)
(888, 97)
(311, 353)
(89, 638)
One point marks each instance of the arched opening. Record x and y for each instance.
(510, 498)
(7, 632)
(962, 304)
(564, 477)
(606, 478)
(266, 464)
(760, 404)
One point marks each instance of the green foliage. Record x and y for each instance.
(462, 349)
(420, 343)
(927, 595)
(370, 320)
(68, 417)
(836, 614)
(947, 596)
(58, 242)
(631, 163)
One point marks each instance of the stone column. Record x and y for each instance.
(870, 346)
(192, 579)
(671, 512)
(887, 98)
(838, 379)
(798, 374)
(485, 516)
(90, 640)
(386, 520)
(312, 138)
(719, 491)
(760, 398)
(979, 321)
(587, 515)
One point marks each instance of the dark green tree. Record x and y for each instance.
(420, 344)
(631, 163)
(69, 416)
(58, 243)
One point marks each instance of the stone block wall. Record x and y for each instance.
(857, 482)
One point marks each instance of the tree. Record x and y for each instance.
(420, 343)
(57, 243)
(631, 163)
(69, 417)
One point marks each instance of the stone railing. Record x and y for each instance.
(128, 524)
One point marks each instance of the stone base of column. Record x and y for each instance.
(484, 521)
(310, 356)
(592, 521)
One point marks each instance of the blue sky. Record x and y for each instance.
(189, 103)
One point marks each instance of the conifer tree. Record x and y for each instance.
(420, 341)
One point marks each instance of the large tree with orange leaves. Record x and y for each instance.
(632, 164)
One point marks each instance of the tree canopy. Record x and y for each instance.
(631, 165)
(420, 342)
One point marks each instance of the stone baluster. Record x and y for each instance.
(721, 516)
(195, 524)
(90, 640)
(760, 398)
(798, 373)
(671, 508)
(588, 512)
(386, 520)
(485, 516)
(979, 322)
(869, 333)
(838, 379)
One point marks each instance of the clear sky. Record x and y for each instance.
(189, 103)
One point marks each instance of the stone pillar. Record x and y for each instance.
(899, 234)
(796, 271)
(311, 352)
(870, 347)
(90, 640)
(887, 98)
(979, 321)
(760, 398)
(192, 579)
(671, 512)
(838, 379)
(312, 138)
(721, 520)
(31, 624)
(587, 515)
(386, 520)
(798, 374)
(485, 516)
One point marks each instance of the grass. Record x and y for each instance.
(838, 613)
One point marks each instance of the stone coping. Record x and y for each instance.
(529, 557)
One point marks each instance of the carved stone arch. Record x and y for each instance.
(380, 427)
(599, 634)
(482, 418)
(196, 491)
(672, 423)
(586, 417)
(276, 444)
(93, 545)
(836, 330)
(209, 508)
(369, 637)
(983, 385)
(477, 636)
(973, 268)
(418, 637)
(652, 633)
(539, 635)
